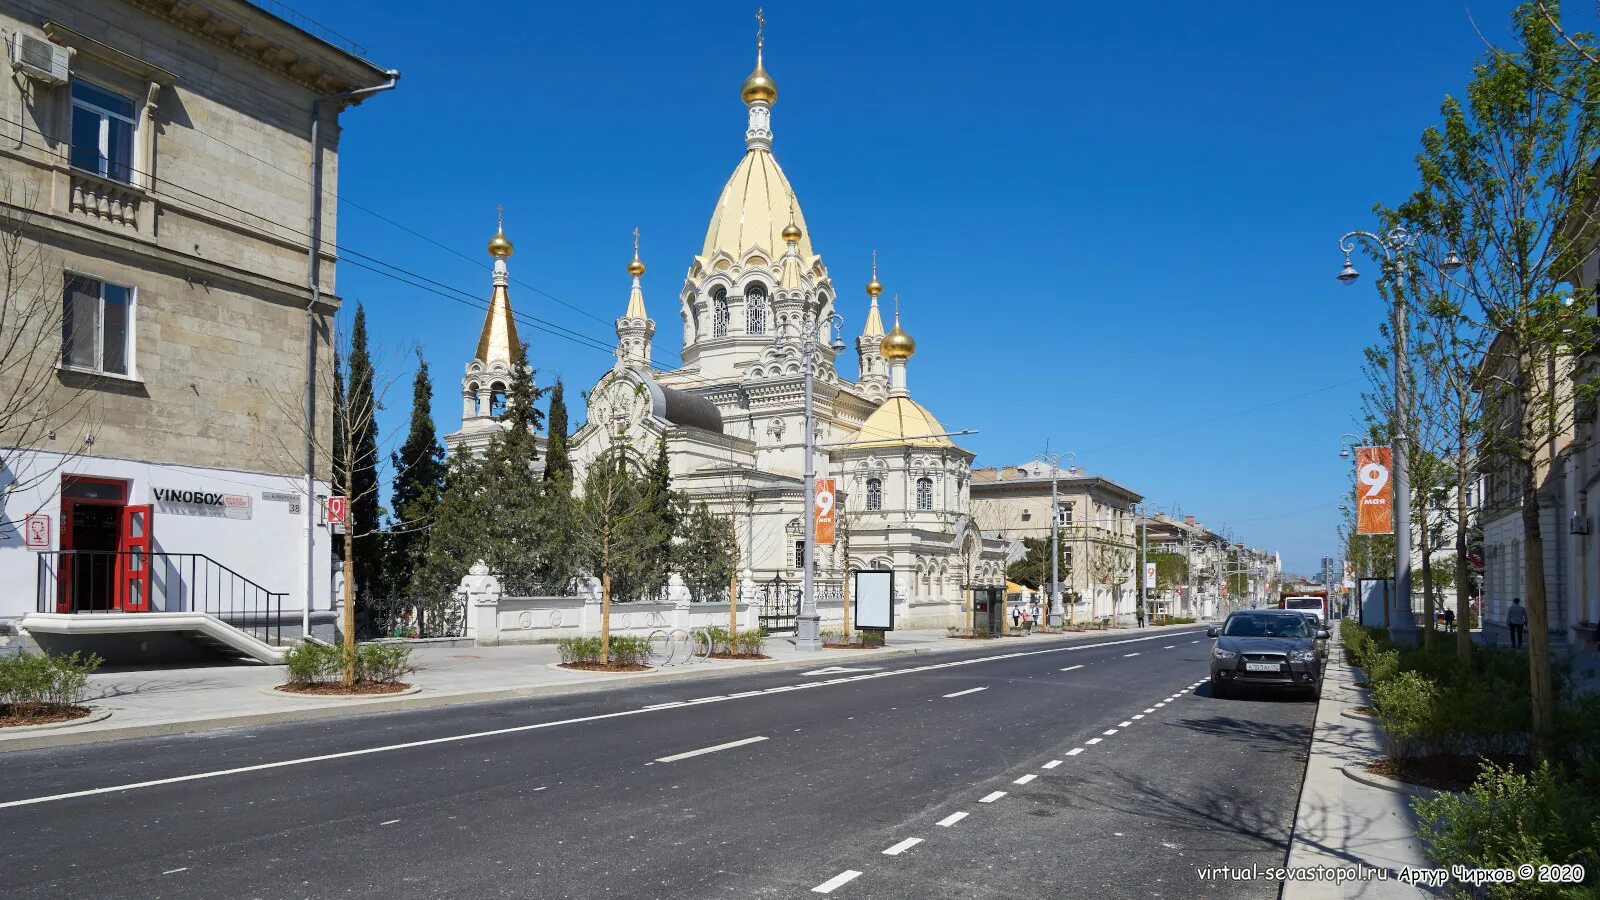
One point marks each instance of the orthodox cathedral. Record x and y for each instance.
(732, 415)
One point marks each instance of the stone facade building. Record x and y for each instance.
(158, 178)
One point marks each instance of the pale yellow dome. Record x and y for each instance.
(900, 421)
(753, 211)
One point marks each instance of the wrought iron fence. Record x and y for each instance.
(410, 619)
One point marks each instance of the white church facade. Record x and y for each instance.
(732, 416)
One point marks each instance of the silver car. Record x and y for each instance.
(1266, 648)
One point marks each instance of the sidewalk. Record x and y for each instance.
(145, 702)
(1342, 822)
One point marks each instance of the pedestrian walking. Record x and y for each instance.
(1449, 620)
(1016, 616)
(1027, 621)
(1517, 621)
(1036, 611)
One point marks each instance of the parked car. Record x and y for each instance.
(1266, 648)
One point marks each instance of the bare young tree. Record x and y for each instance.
(38, 411)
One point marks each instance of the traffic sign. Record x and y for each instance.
(338, 509)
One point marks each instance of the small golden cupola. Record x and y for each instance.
(759, 86)
(897, 344)
(500, 245)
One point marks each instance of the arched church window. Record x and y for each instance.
(755, 309)
(924, 493)
(874, 493)
(472, 393)
(719, 313)
(497, 399)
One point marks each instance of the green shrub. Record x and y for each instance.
(630, 650)
(721, 641)
(751, 642)
(1406, 706)
(43, 680)
(1178, 620)
(383, 663)
(870, 637)
(314, 663)
(1381, 666)
(1506, 820)
(579, 650)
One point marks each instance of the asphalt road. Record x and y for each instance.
(1138, 776)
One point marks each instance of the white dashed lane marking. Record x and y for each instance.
(902, 847)
(951, 819)
(1124, 724)
(1109, 732)
(839, 880)
(1074, 751)
(1070, 668)
(704, 750)
(1126, 655)
(1025, 779)
(1094, 740)
(965, 692)
(1170, 647)
(1052, 764)
(1139, 716)
(993, 797)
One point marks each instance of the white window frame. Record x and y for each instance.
(921, 482)
(874, 494)
(129, 336)
(720, 314)
(104, 148)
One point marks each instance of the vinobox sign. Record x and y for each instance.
(1374, 492)
(186, 502)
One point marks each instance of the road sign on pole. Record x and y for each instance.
(338, 508)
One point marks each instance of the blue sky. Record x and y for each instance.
(1113, 226)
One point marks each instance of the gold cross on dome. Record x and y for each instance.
(761, 24)
(500, 215)
(636, 243)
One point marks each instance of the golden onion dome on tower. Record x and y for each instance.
(792, 232)
(636, 268)
(759, 86)
(875, 287)
(500, 245)
(897, 344)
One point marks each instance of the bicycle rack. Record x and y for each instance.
(693, 644)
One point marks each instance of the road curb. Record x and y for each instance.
(433, 698)
(1359, 717)
(1361, 775)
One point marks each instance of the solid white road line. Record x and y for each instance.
(1094, 740)
(517, 729)
(992, 797)
(1070, 668)
(1074, 751)
(704, 750)
(1025, 779)
(839, 880)
(965, 692)
(1052, 764)
(1109, 732)
(902, 847)
(951, 819)
(1124, 724)
(1126, 655)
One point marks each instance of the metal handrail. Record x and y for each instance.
(83, 580)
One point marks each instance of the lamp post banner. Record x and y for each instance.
(825, 509)
(1374, 491)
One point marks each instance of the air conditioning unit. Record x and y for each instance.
(39, 59)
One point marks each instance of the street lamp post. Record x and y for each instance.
(1054, 609)
(1394, 246)
(808, 625)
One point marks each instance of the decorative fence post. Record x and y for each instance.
(481, 591)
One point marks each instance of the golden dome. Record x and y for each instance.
(759, 86)
(792, 232)
(499, 245)
(636, 268)
(874, 287)
(897, 344)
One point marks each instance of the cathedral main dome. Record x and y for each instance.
(753, 210)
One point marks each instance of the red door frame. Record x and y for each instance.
(64, 596)
(133, 560)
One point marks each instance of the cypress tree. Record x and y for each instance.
(360, 410)
(419, 470)
(557, 465)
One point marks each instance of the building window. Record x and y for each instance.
(799, 554)
(102, 132)
(874, 494)
(97, 326)
(924, 493)
(719, 314)
(755, 309)
(1064, 514)
(1066, 558)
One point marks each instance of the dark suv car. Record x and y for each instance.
(1267, 649)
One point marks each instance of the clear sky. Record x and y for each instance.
(1113, 226)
